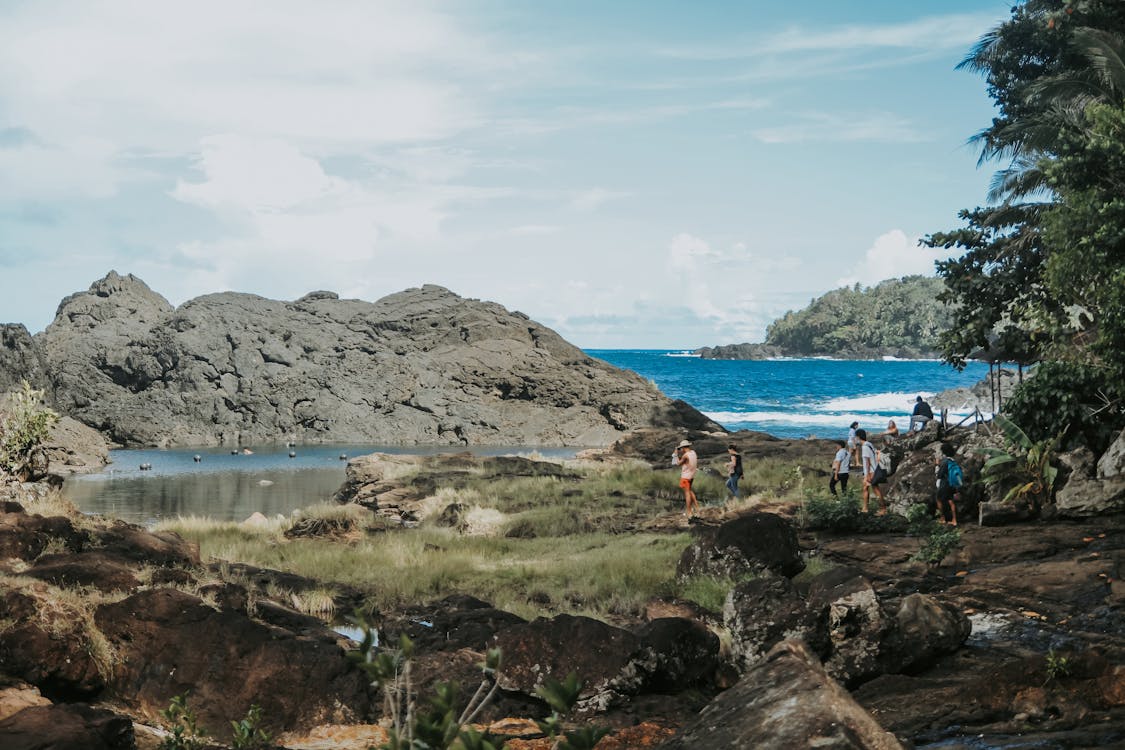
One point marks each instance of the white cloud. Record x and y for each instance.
(880, 127)
(892, 256)
(589, 200)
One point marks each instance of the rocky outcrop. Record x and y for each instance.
(423, 366)
(785, 701)
(1086, 493)
(20, 360)
(74, 448)
(747, 545)
(67, 727)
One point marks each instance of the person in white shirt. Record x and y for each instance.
(841, 466)
(870, 463)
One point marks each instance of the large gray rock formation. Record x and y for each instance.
(20, 360)
(421, 366)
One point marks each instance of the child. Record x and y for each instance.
(948, 483)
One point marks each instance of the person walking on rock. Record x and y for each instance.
(949, 481)
(689, 462)
(853, 446)
(734, 470)
(870, 464)
(841, 466)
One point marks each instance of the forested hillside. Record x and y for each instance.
(899, 317)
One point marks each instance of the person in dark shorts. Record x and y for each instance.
(734, 469)
(947, 493)
(841, 466)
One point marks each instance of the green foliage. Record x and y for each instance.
(562, 697)
(937, 540)
(708, 592)
(1080, 398)
(437, 724)
(1024, 469)
(844, 515)
(248, 733)
(899, 315)
(1058, 665)
(185, 731)
(24, 426)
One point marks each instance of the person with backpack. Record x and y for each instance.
(950, 478)
(734, 469)
(841, 467)
(870, 462)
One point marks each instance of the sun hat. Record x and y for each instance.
(684, 444)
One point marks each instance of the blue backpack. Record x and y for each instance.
(953, 471)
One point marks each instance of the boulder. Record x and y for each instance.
(18, 696)
(1112, 462)
(678, 653)
(95, 568)
(455, 622)
(424, 366)
(747, 545)
(169, 643)
(601, 655)
(925, 629)
(74, 448)
(763, 612)
(73, 726)
(136, 543)
(21, 360)
(785, 701)
(38, 645)
(1082, 496)
(24, 536)
(855, 624)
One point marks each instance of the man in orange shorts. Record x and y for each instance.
(689, 462)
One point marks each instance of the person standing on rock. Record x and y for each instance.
(946, 491)
(853, 446)
(841, 466)
(734, 470)
(870, 464)
(689, 462)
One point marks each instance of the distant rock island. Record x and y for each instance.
(896, 318)
(423, 366)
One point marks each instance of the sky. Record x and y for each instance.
(633, 174)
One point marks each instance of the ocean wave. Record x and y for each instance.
(891, 403)
(868, 421)
(681, 354)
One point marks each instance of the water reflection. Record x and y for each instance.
(230, 487)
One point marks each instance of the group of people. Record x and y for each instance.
(685, 457)
(860, 450)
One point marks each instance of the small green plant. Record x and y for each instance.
(185, 731)
(1024, 468)
(937, 540)
(562, 697)
(844, 514)
(24, 425)
(248, 733)
(1058, 665)
(437, 725)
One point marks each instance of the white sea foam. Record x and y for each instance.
(870, 421)
(893, 402)
(681, 354)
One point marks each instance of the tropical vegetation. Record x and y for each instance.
(1041, 275)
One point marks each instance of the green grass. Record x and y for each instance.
(530, 545)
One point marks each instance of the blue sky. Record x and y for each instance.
(632, 174)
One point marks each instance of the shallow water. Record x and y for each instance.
(229, 487)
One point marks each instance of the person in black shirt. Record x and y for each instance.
(921, 416)
(734, 469)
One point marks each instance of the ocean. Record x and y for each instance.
(795, 398)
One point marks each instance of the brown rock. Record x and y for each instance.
(24, 536)
(785, 701)
(169, 643)
(16, 698)
(746, 545)
(73, 726)
(97, 568)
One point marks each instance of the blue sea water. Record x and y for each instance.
(787, 398)
(795, 398)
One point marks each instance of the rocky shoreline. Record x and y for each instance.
(1018, 632)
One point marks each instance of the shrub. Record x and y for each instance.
(1024, 469)
(185, 733)
(1082, 399)
(825, 512)
(24, 426)
(937, 540)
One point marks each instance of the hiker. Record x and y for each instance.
(871, 468)
(841, 465)
(853, 446)
(688, 462)
(734, 470)
(921, 416)
(949, 481)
